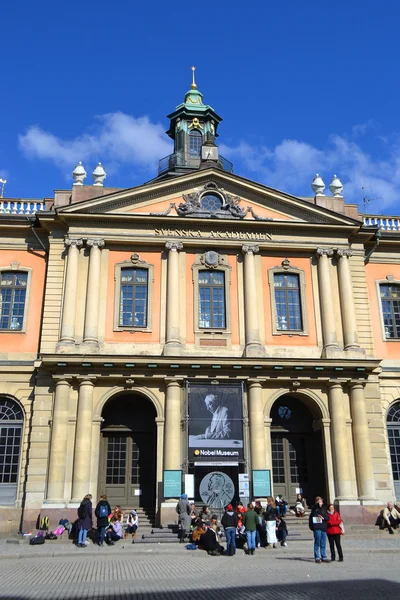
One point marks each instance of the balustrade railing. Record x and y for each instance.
(21, 207)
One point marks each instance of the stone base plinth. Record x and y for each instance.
(359, 514)
(168, 514)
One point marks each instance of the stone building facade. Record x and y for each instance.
(122, 310)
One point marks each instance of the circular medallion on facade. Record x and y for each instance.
(217, 489)
(284, 412)
(211, 258)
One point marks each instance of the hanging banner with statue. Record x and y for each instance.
(215, 424)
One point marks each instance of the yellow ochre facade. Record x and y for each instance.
(116, 303)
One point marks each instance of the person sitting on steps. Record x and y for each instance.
(391, 517)
(132, 524)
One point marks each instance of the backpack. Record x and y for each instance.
(44, 523)
(51, 536)
(103, 512)
(81, 511)
(38, 539)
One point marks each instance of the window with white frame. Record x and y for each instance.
(212, 311)
(390, 301)
(133, 297)
(288, 299)
(287, 302)
(13, 296)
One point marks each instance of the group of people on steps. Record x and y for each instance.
(260, 526)
(109, 522)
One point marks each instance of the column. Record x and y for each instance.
(160, 423)
(362, 445)
(70, 292)
(326, 300)
(58, 445)
(83, 440)
(95, 458)
(173, 344)
(346, 300)
(90, 333)
(341, 458)
(172, 439)
(252, 339)
(256, 423)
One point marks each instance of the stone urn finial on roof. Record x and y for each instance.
(336, 187)
(99, 175)
(79, 174)
(318, 186)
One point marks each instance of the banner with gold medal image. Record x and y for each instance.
(215, 422)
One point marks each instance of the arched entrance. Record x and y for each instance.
(298, 464)
(393, 428)
(128, 451)
(11, 423)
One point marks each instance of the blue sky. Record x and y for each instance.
(303, 87)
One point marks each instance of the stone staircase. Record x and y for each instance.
(298, 529)
(148, 533)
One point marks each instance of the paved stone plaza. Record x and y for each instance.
(170, 572)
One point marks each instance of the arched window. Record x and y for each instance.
(11, 422)
(393, 427)
(195, 142)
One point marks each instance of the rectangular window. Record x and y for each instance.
(212, 300)
(116, 460)
(10, 445)
(12, 299)
(287, 302)
(278, 460)
(133, 299)
(390, 299)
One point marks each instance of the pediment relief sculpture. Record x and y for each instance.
(211, 202)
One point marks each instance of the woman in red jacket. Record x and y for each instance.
(334, 532)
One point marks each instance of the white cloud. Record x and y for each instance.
(292, 164)
(118, 139)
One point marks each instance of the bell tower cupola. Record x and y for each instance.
(193, 127)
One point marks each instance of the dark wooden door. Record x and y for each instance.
(128, 468)
(297, 466)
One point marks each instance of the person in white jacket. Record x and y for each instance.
(132, 523)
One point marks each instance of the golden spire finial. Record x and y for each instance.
(193, 86)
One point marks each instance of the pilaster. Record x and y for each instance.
(253, 345)
(173, 345)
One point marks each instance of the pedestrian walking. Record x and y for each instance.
(317, 523)
(85, 521)
(102, 512)
(229, 522)
(250, 521)
(270, 522)
(334, 532)
(184, 511)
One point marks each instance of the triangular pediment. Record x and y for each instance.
(180, 197)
